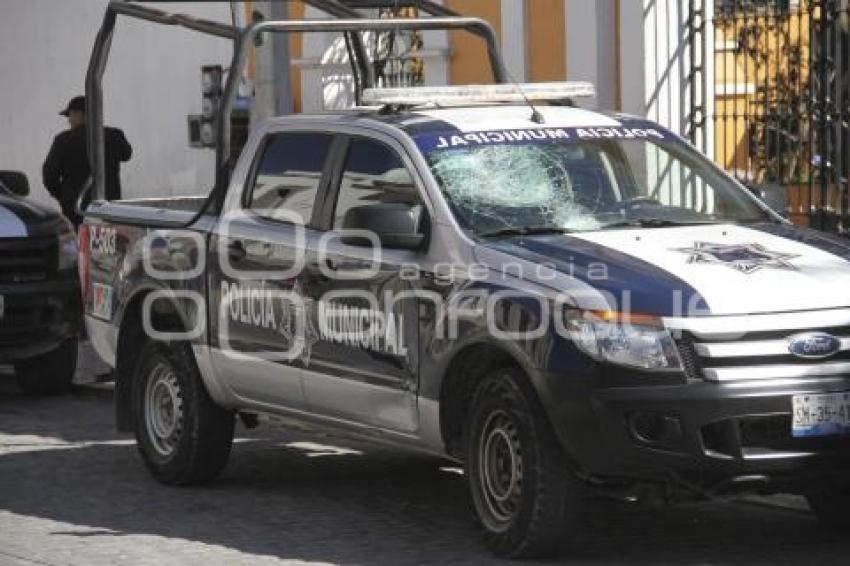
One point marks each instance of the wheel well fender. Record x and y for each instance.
(131, 334)
(466, 369)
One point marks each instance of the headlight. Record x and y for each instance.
(67, 251)
(629, 340)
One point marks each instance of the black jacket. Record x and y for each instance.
(66, 168)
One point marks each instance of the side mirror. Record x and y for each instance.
(397, 225)
(771, 195)
(15, 182)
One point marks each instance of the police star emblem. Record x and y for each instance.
(745, 258)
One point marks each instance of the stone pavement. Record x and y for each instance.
(73, 491)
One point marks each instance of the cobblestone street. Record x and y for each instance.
(72, 491)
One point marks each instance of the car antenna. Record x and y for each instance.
(536, 116)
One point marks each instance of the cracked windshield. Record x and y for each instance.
(569, 184)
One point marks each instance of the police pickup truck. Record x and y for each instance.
(40, 310)
(567, 302)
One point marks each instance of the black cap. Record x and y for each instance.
(76, 103)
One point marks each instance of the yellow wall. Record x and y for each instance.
(295, 11)
(469, 63)
(740, 72)
(545, 38)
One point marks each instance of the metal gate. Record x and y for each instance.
(778, 99)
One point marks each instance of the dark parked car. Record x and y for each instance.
(40, 310)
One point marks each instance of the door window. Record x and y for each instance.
(373, 174)
(288, 175)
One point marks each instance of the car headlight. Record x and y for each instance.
(630, 340)
(67, 251)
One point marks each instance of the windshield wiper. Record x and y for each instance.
(653, 223)
(524, 231)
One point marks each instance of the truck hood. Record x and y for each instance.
(718, 269)
(20, 218)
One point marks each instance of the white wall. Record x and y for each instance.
(513, 38)
(591, 48)
(666, 61)
(655, 64)
(656, 61)
(326, 73)
(632, 58)
(151, 84)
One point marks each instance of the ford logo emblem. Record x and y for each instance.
(813, 345)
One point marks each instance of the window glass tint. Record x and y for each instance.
(373, 174)
(288, 175)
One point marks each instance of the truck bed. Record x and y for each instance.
(169, 211)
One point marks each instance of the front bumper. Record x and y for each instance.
(38, 317)
(708, 436)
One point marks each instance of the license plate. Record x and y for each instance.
(821, 414)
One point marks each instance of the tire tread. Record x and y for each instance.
(553, 511)
(208, 436)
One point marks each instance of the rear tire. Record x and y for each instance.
(51, 373)
(830, 505)
(522, 492)
(183, 436)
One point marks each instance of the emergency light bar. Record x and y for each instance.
(476, 94)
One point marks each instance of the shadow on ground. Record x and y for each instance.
(283, 496)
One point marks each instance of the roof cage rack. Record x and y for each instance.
(242, 39)
(363, 73)
(477, 94)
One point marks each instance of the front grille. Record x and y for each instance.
(27, 259)
(26, 319)
(690, 360)
(729, 349)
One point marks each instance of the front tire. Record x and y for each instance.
(183, 436)
(51, 373)
(522, 492)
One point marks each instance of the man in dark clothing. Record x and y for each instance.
(66, 168)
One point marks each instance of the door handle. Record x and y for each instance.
(236, 250)
(331, 264)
